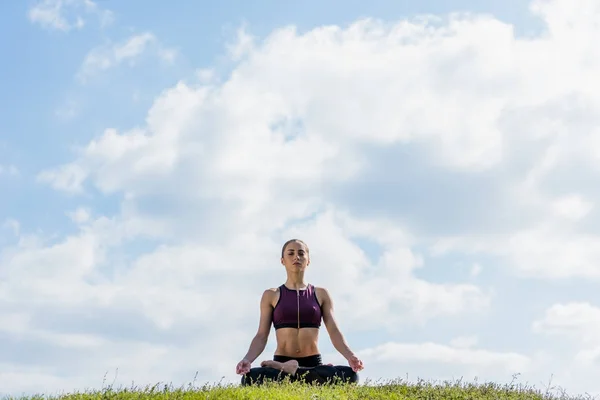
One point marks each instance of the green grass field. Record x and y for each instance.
(375, 390)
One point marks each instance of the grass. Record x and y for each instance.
(391, 390)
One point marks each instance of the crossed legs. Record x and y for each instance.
(318, 373)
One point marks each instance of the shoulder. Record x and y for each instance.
(270, 294)
(322, 293)
(320, 289)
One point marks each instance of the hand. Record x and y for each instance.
(355, 363)
(243, 367)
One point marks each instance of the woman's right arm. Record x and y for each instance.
(259, 341)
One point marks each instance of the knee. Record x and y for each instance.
(336, 374)
(251, 377)
(258, 375)
(346, 374)
(246, 379)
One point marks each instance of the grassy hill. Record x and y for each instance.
(388, 390)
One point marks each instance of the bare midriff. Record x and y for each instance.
(293, 342)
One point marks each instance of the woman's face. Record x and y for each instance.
(295, 257)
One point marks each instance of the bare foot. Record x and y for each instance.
(289, 367)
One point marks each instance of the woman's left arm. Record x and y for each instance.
(336, 336)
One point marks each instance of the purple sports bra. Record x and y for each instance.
(294, 310)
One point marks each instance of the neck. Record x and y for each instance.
(296, 281)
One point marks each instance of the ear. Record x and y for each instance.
(282, 261)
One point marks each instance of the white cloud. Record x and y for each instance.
(476, 269)
(13, 225)
(464, 342)
(572, 207)
(578, 320)
(222, 172)
(9, 170)
(66, 15)
(548, 251)
(243, 45)
(68, 110)
(129, 51)
(459, 359)
(67, 178)
(80, 215)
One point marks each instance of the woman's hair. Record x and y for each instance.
(290, 241)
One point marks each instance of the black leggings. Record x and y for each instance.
(310, 370)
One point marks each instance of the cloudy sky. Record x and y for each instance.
(440, 160)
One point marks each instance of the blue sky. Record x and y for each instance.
(154, 156)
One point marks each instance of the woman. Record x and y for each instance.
(296, 310)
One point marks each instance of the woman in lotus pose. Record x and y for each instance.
(296, 309)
